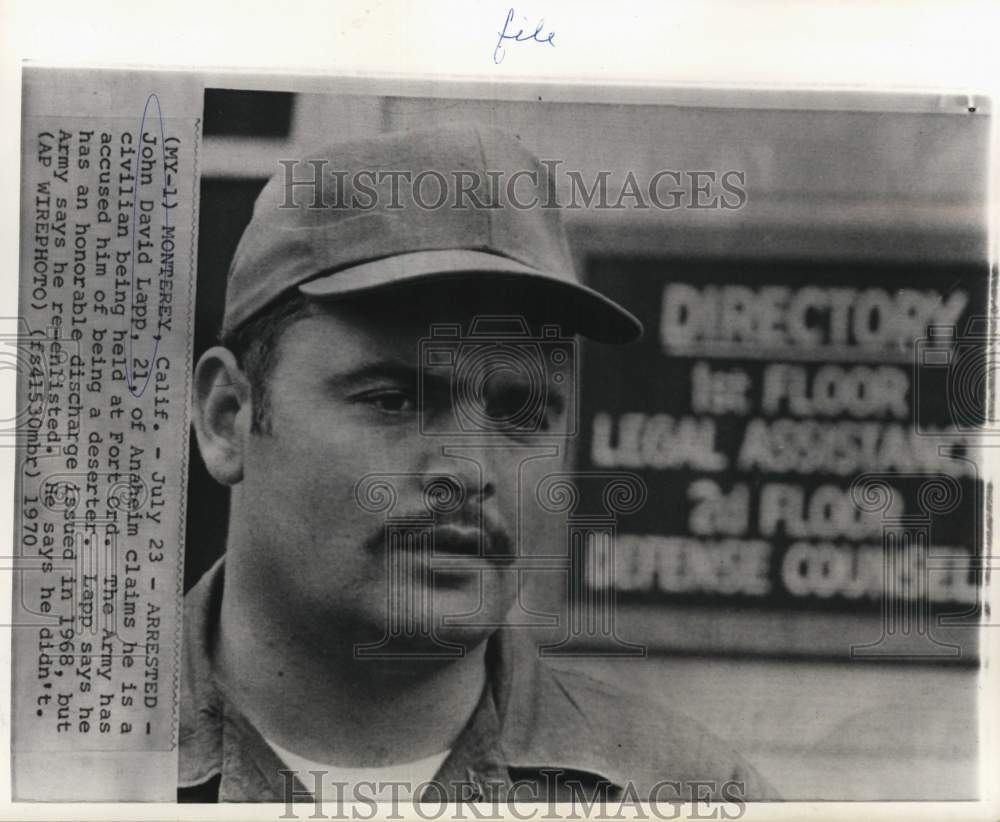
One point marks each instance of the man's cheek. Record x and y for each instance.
(338, 439)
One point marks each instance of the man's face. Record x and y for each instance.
(344, 407)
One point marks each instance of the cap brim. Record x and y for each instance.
(592, 314)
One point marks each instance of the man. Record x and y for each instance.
(335, 645)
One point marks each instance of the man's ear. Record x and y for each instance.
(222, 413)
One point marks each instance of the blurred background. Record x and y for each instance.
(749, 574)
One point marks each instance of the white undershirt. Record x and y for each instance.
(413, 774)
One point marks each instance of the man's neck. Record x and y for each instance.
(331, 707)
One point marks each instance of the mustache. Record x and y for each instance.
(460, 520)
(465, 532)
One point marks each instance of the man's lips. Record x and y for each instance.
(452, 540)
(461, 541)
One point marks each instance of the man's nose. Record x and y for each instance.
(463, 465)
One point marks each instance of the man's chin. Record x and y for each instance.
(441, 623)
(444, 644)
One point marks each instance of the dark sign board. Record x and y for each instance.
(795, 424)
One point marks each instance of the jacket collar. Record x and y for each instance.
(527, 718)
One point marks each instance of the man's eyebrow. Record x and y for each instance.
(395, 370)
(370, 372)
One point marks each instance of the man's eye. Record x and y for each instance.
(393, 402)
(512, 401)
